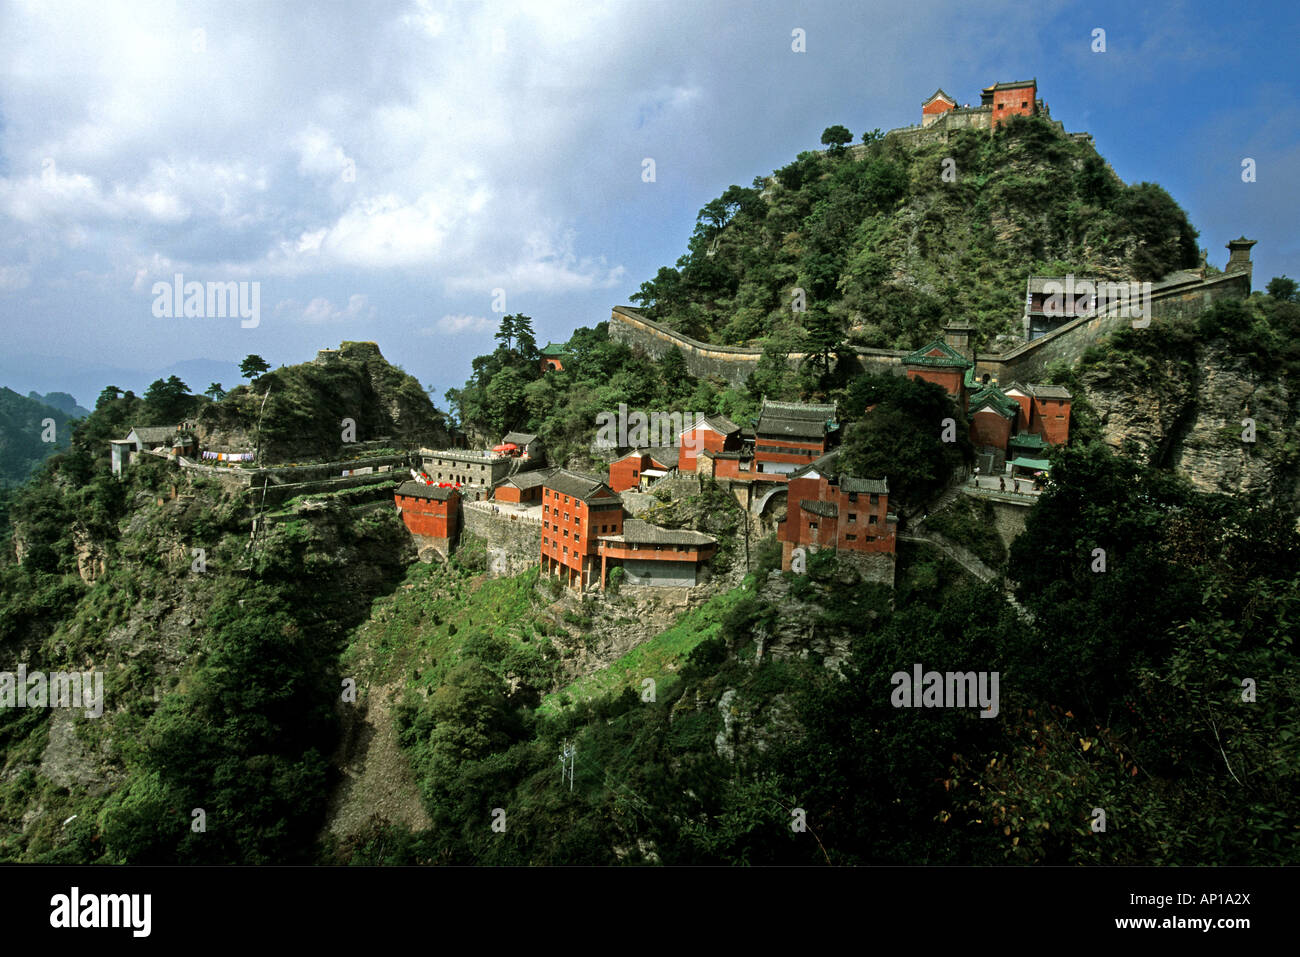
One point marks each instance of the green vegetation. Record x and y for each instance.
(1112, 697)
(23, 433)
(914, 435)
(971, 524)
(659, 659)
(885, 247)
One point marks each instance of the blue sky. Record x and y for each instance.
(381, 169)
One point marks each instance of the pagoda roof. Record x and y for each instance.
(992, 397)
(937, 354)
(643, 533)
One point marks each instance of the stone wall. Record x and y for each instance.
(1008, 519)
(734, 364)
(1025, 363)
(520, 541)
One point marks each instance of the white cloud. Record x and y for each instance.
(455, 325)
(321, 310)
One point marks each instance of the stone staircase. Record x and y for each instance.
(966, 560)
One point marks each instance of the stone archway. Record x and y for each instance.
(770, 508)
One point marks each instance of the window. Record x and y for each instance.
(871, 520)
(853, 496)
(850, 538)
(875, 499)
(853, 518)
(812, 526)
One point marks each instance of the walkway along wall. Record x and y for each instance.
(1025, 363)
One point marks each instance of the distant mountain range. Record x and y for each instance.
(83, 381)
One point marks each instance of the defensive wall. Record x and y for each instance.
(1024, 363)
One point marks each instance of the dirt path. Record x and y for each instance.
(377, 776)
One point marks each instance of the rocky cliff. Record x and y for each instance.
(1187, 409)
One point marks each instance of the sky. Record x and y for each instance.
(406, 172)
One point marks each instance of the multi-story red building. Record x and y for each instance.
(827, 509)
(626, 473)
(576, 510)
(715, 433)
(1051, 413)
(790, 435)
(431, 514)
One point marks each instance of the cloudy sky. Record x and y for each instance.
(381, 169)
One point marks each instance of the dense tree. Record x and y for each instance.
(215, 392)
(167, 401)
(253, 366)
(111, 393)
(1282, 289)
(903, 435)
(836, 137)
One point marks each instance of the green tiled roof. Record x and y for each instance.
(1001, 403)
(1038, 465)
(950, 357)
(1028, 440)
(551, 349)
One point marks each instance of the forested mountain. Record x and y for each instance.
(26, 434)
(889, 241)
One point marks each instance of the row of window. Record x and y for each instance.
(812, 527)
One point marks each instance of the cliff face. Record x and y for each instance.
(1186, 413)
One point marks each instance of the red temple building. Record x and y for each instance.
(998, 103)
(651, 555)
(1011, 99)
(522, 488)
(576, 510)
(627, 472)
(943, 361)
(431, 514)
(714, 433)
(552, 358)
(937, 104)
(828, 509)
(790, 435)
